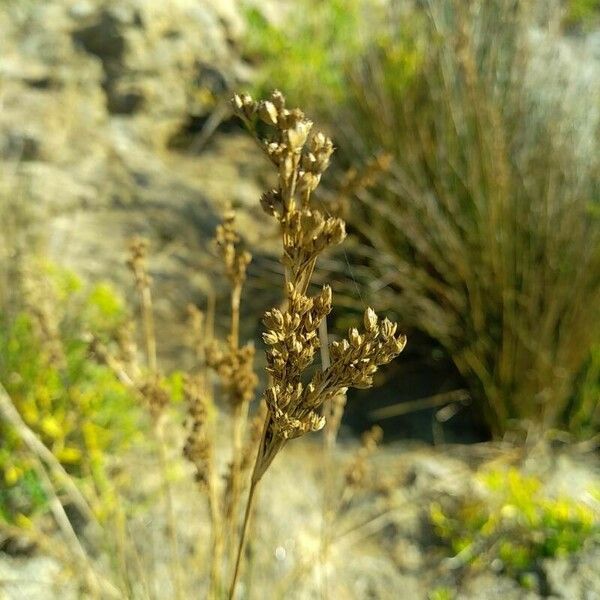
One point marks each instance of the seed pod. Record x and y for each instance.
(370, 320)
(267, 112)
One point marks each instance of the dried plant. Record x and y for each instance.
(294, 395)
(148, 385)
(234, 363)
(357, 470)
(199, 450)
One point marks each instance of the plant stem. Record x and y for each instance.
(148, 318)
(236, 295)
(240, 416)
(171, 521)
(238, 559)
(217, 537)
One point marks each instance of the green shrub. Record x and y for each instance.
(485, 233)
(585, 410)
(77, 407)
(514, 522)
(583, 12)
(307, 53)
(441, 593)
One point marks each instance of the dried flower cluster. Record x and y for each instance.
(235, 370)
(155, 396)
(292, 334)
(138, 250)
(227, 240)
(298, 398)
(198, 446)
(357, 470)
(147, 382)
(295, 332)
(233, 364)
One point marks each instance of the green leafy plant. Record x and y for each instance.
(585, 409)
(78, 408)
(515, 522)
(583, 12)
(441, 593)
(307, 52)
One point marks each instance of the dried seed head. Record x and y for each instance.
(291, 333)
(271, 203)
(273, 319)
(370, 320)
(155, 396)
(198, 448)
(244, 106)
(138, 251)
(278, 100)
(235, 260)
(267, 112)
(355, 338)
(388, 329)
(323, 302)
(270, 338)
(298, 134)
(234, 366)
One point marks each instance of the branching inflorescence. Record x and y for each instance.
(295, 395)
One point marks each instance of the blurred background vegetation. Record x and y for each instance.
(483, 232)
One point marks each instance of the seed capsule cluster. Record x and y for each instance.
(233, 363)
(227, 240)
(235, 370)
(198, 445)
(138, 251)
(155, 396)
(354, 360)
(294, 399)
(300, 160)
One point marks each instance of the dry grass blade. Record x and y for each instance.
(484, 232)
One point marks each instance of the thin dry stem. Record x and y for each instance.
(240, 548)
(156, 398)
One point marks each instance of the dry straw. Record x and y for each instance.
(146, 383)
(294, 396)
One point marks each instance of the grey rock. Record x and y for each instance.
(576, 577)
(91, 93)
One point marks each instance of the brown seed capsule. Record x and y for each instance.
(278, 100)
(298, 134)
(270, 338)
(370, 320)
(267, 112)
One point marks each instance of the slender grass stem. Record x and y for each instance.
(170, 508)
(236, 570)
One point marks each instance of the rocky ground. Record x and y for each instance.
(383, 543)
(107, 111)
